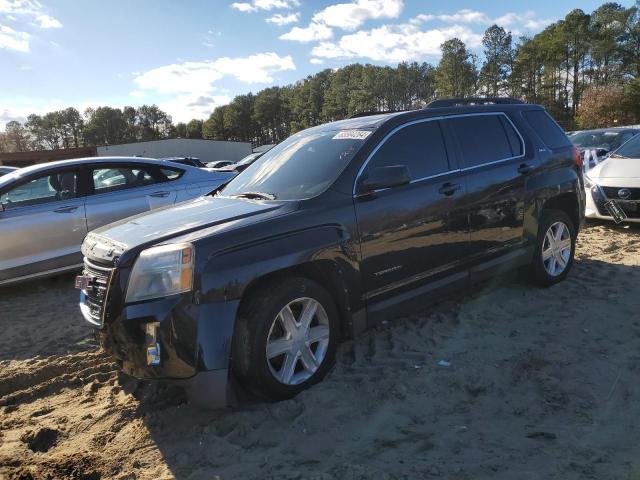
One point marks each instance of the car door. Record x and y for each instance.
(118, 191)
(496, 168)
(413, 233)
(42, 224)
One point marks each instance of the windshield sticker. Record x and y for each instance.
(352, 135)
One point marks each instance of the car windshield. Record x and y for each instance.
(630, 149)
(302, 166)
(610, 139)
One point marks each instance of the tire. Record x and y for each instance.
(272, 321)
(541, 270)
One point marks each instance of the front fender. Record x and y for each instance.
(228, 273)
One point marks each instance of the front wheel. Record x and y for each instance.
(285, 338)
(555, 248)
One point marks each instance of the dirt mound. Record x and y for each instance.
(506, 381)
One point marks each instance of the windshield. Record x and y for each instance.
(302, 166)
(629, 149)
(607, 139)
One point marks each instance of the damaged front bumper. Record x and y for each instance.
(170, 339)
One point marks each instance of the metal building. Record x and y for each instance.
(205, 150)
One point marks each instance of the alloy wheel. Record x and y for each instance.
(298, 340)
(556, 248)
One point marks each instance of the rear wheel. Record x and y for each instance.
(555, 248)
(285, 338)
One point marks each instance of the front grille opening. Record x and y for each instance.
(98, 290)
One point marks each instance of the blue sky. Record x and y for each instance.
(189, 56)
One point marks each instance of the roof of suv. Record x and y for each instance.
(372, 122)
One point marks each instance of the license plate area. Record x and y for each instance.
(617, 213)
(83, 282)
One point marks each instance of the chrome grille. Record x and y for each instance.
(95, 295)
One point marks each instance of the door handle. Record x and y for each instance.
(159, 194)
(66, 209)
(449, 189)
(524, 168)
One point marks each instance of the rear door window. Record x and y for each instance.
(109, 179)
(547, 129)
(419, 147)
(484, 139)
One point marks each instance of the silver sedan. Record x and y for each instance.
(46, 210)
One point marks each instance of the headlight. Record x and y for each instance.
(161, 271)
(588, 182)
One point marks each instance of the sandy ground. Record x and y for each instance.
(541, 383)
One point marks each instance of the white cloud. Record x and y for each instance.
(312, 33)
(193, 84)
(13, 9)
(316, 61)
(465, 16)
(284, 19)
(350, 16)
(347, 16)
(186, 107)
(46, 21)
(256, 5)
(11, 39)
(395, 43)
(526, 20)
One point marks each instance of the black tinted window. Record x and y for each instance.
(546, 128)
(418, 147)
(482, 138)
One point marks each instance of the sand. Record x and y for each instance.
(506, 381)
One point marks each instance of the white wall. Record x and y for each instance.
(205, 150)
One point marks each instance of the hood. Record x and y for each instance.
(622, 168)
(215, 214)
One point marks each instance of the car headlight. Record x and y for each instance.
(161, 271)
(588, 182)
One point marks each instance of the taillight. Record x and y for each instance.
(578, 157)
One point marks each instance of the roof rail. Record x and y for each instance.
(452, 102)
(368, 114)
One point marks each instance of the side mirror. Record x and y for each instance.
(385, 177)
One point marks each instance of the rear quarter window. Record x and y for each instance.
(484, 138)
(547, 129)
(171, 174)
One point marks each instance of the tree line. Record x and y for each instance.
(585, 69)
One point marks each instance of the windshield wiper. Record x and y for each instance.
(255, 195)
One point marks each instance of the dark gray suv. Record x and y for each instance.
(335, 229)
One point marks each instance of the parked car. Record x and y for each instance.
(4, 170)
(616, 179)
(601, 141)
(241, 165)
(335, 229)
(219, 164)
(47, 209)
(191, 161)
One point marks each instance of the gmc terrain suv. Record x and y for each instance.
(336, 228)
